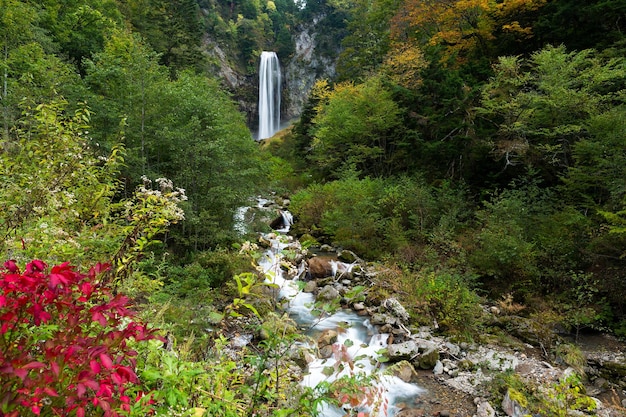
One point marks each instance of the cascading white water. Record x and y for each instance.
(361, 340)
(269, 95)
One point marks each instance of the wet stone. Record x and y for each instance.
(328, 293)
(403, 370)
(310, 287)
(326, 352)
(328, 337)
(403, 350)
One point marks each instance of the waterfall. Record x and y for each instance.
(269, 95)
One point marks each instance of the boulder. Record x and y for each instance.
(404, 350)
(278, 223)
(429, 358)
(403, 370)
(513, 403)
(320, 267)
(327, 338)
(394, 307)
(328, 293)
(347, 256)
(308, 240)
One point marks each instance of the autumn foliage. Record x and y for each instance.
(462, 26)
(65, 343)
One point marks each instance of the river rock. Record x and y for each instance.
(411, 412)
(494, 360)
(320, 267)
(404, 350)
(347, 256)
(484, 409)
(241, 341)
(358, 306)
(511, 404)
(265, 241)
(328, 293)
(394, 307)
(429, 358)
(327, 248)
(453, 349)
(302, 356)
(379, 319)
(403, 370)
(310, 287)
(466, 365)
(601, 383)
(438, 369)
(327, 337)
(326, 352)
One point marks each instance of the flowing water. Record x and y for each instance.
(358, 342)
(269, 95)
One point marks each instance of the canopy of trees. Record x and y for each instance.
(494, 98)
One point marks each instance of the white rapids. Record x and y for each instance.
(358, 345)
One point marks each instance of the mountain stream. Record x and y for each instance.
(357, 350)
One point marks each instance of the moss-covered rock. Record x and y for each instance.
(403, 370)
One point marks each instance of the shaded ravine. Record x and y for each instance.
(358, 346)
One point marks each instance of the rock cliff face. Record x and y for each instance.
(300, 72)
(303, 69)
(244, 88)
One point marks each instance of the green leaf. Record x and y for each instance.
(328, 370)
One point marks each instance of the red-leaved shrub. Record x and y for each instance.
(64, 343)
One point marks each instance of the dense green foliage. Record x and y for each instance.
(534, 139)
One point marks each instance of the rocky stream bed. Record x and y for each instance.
(456, 378)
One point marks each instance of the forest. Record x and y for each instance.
(474, 150)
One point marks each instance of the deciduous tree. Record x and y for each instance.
(461, 27)
(354, 127)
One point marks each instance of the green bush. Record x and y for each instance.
(449, 299)
(504, 249)
(209, 269)
(377, 217)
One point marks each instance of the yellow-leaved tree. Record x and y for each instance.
(461, 27)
